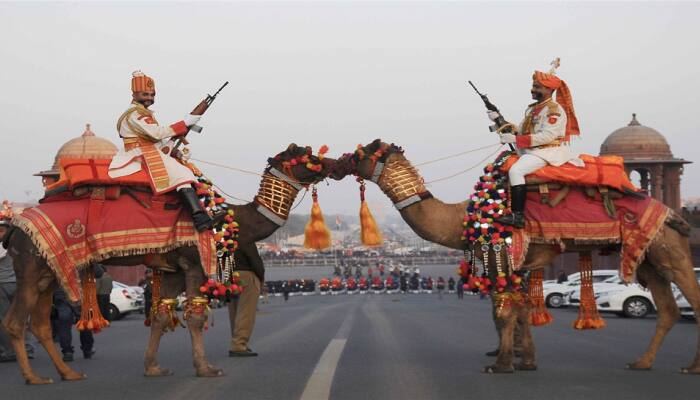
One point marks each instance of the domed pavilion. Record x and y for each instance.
(647, 152)
(87, 145)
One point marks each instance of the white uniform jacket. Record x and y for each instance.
(142, 134)
(542, 134)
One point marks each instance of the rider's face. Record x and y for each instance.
(145, 98)
(540, 92)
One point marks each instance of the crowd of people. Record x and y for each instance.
(376, 280)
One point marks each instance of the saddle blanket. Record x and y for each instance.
(72, 233)
(584, 220)
(599, 171)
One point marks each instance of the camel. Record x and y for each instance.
(667, 259)
(279, 186)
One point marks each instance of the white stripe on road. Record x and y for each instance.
(319, 385)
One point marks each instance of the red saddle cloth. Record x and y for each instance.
(584, 220)
(71, 233)
(599, 171)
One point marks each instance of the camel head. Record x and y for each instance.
(300, 164)
(363, 161)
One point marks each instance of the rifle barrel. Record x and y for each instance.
(475, 89)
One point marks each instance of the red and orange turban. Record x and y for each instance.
(142, 83)
(551, 81)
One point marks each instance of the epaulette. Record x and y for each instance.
(553, 108)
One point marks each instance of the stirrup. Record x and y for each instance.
(516, 219)
(202, 221)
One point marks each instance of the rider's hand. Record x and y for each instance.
(493, 115)
(191, 119)
(507, 138)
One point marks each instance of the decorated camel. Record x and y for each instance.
(185, 255)
(660, 259)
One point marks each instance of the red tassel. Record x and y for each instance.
(538, 312)
(90, 317)
(588, 317)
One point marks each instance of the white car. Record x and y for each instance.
(123, 300)
(554, 292)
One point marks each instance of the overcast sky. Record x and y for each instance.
(341, 74)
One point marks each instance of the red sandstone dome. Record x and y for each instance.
(637, 142)
(87, 145)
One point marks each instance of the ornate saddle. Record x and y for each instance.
(81, 177)
(602, 176)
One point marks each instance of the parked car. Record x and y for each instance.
(573, 297)
(633, 300)
(123, 300)
(554, 292)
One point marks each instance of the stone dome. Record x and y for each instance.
(87, 145)
(636, 141)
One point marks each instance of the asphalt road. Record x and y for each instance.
(376, 347)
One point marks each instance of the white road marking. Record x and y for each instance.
(319, 385)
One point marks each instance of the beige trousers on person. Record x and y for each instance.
(241, 311)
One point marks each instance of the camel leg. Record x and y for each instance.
(667, 311)
(527, 363)
(172, 285)
(195, 324)
(41, 328)
(15, 323)
(688, 285)
(159, 321)
(194, 278)
(505, 318)
(670, 254)
(28, 272)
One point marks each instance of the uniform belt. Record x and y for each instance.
(131, 143)
(546, 146)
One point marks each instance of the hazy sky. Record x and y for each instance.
(340, 74)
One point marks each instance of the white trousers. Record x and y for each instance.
(527, 164)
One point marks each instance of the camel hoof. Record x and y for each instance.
(210, 372)
(690, 370)
(496, 369)
(526, 367)
(157, 372)
(638, 366)
(73, 376)
(38, 380)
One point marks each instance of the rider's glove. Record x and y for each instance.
(507, 138)
(191, 119)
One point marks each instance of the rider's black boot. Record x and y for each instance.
(202, 220)
(517, 203)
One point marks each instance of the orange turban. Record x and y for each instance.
(551, 81)
(142, 83)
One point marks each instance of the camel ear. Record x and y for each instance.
(292, 148)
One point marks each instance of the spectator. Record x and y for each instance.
(103, 285)
(562, 277)
(66, 315)
(242, 310)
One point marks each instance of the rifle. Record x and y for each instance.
(500, 121)
(200, 109)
